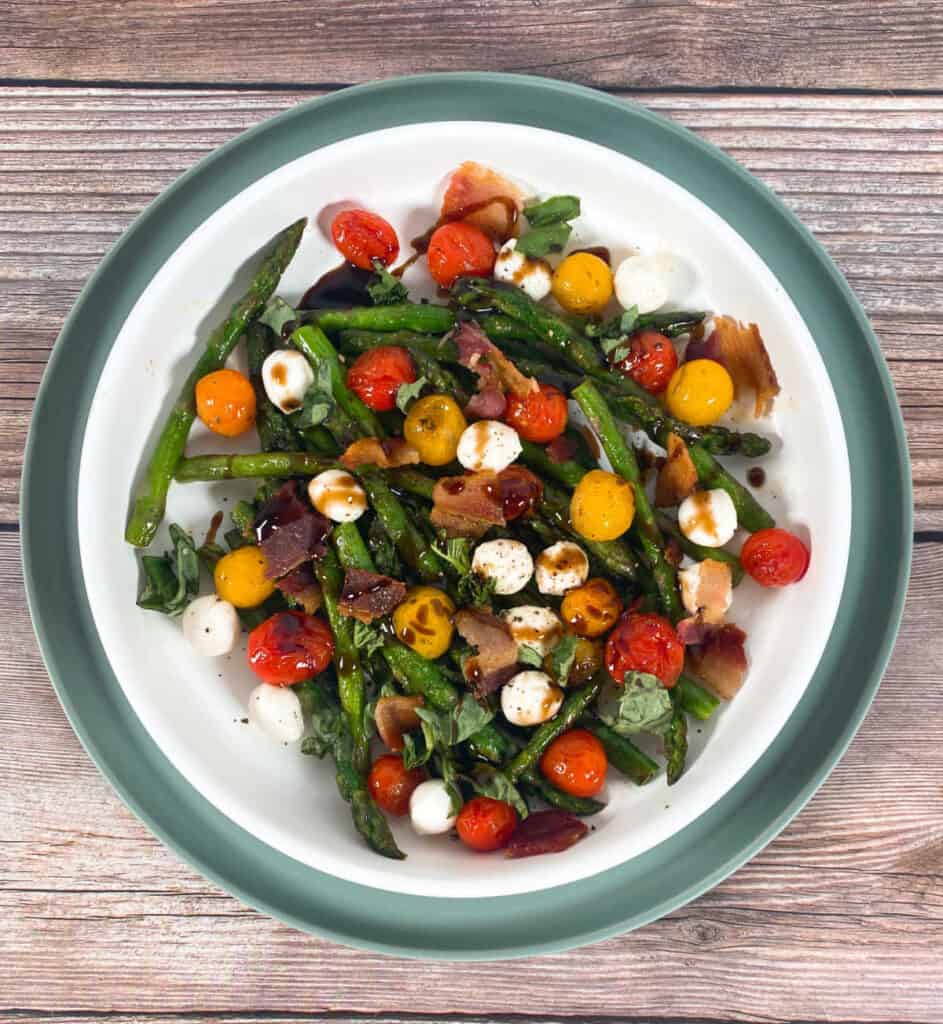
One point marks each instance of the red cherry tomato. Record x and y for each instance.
(456, 249)
(376, 376)
(485, 824)
(540, 417)
(576, 763)
(391, 783)
(361, 237)
(775, 558)
(290, 647)
(645, 642)
(651, 361)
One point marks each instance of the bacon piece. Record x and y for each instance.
(740, 349)
(496, 660)
(562, 449)
(289, 532)
(492, 366)
(707, 589)
(693, 630)
(470, 188)
(387, 453)
(677, 477)
(721, 661)
(488, 404)
(545, 832)
(366, 596)
(302, 587)
(394, 716)
(520, 491)
(467, 506)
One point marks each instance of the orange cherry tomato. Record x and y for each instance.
(576, 763)
(486, 824)
(290, 647)
(540, 417)
(362, 237)
(456, 249)
(645, 642)
(775, 558)
(225, 402)
(376, 376)
(651, 361)
(391, 783)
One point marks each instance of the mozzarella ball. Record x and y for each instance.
(534, 626)
(211, 626)
(530, 698)
(276, 710)
(708, 518)
(532, 276)
(286, 377)
(507, 562)
(639, 282)
(430, 808)
(337, 495)
(488, 444)
(561, 567)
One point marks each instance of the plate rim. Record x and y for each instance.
(543, 103)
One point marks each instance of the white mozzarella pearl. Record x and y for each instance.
(561, 567)
(211, 626)
(708, 518)
(507, 562)
(534, 626)
(286, 377)
(530, 698)
(337, 495)
(430, 808)
(488, 444)
(532, 276)
(276, 710)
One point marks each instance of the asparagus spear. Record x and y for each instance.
(623, 462)
(258, 465)
(403, 316)
(275, 430)
(151, 498)
(694, 698)
(622, 753)
(579, 805)
(676, 743)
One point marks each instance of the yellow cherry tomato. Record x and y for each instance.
(240, 577)
(602, 506)
(587, 661)
(433, 426)
(582, 283)
(592, 609)
(225, 402)
(424, 621)
(699, 392)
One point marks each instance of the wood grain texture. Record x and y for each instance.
(841, 44)
(841, 918)
(864, 173)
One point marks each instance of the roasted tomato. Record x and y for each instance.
(391, 783)
(651, 361)
(290, 647)
(576, 763)
(592, 609)
(362, 237)
(775, 558)
(540, 417)
(457, 249)
(486, 824)
(225, 402)
(376, 376)
(645, 642)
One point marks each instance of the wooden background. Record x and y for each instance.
(839, 107)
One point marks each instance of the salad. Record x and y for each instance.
(492, 543)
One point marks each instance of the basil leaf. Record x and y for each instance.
(490, 782)
(540, 242)
(406, 393)
(385, 288)
(446, 728)
(552, 211)
(641, 705)
(457, 551)
(319, 398)
(416, 751)
(562, 658)
(475, 590)
(367, 638)
(325, 719)
(173, 581)
(628, 320)
(528, 655)
(276, 314)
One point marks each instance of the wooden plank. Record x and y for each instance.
(859, 44)
(837, 920)
(864, 173)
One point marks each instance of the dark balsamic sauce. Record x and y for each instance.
(756, 476)
(343, 286)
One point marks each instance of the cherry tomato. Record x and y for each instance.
(576, 763)
(540, 417)
(391, 783)
(486, 824)
(456, 249)
(651, 361)
(290, 647)
(376, 376)
(645, 642)
(225, 402)
(775, 558)
(361, 237)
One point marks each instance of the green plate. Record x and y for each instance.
(692, 860)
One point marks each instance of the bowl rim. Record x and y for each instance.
(621, 897)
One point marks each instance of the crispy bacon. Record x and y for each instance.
(387, 453)
(302, 587)
(488, 404)
(467, 196)
(721, 661)
(693, 630)
(707, 589)
(545, 832)
(740, 349)
(496, 660)
(289, 532)
(467, 506)
(492, 366)
(520, 491)
(677, 477)
(562, 449)
(366, 596)
(394, 716)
